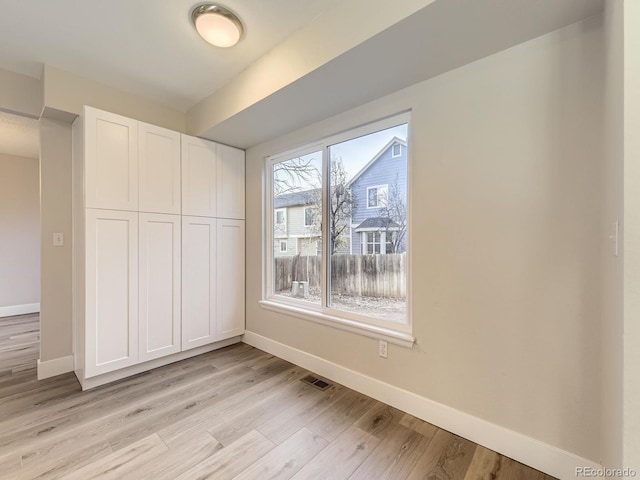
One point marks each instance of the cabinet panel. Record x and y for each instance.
(159, 169)
(230, 270)
(111, 160)
(198, 281)
(231, 182)
(111, 291)
(199, 171)
(159, 289)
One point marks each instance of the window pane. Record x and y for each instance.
(367, 225)
(297, 196)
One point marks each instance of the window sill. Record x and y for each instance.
(373, 331)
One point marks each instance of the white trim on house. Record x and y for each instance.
(285, 243)
(393, 147)
(539, 455)
(378, 155)
(378, 200)
(284, 217)
(12, 310)
(305, 217)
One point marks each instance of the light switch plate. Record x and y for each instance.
(58, 239)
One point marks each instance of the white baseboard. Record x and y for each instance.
(92, 382)
(539, 455)
(57, 366)
(19, 309)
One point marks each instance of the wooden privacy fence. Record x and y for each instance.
(361, 275)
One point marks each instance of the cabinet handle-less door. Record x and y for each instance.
(111, 310)
(231, 183)
(230, 272)
(199, 170)
(159, 285)
(159, 169)
(111, 160)
(198, 281)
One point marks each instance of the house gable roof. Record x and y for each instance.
(375, 223)
(376, 157)
(304, 197)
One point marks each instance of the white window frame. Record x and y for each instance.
(284, 217)
(396, 333)
(305, 217)
(286, 245)
(393, 153)
(373, 243)
(378, 199)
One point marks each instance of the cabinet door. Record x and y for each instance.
(198, 281)
(199, 172)
(159, 287)
(111, 160)
(159, 169)
(230, 182)
(111, 291)
(230, 273)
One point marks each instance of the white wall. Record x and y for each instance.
(19, 232)
(506, 235)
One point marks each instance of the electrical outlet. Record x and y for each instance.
(382, 349)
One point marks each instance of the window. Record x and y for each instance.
(283, 246)
(396, 150)
(351, 261)
(377, 196)
(373, 243)
(281, 217)
(311, 217)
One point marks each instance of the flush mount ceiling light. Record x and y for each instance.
(217, 25)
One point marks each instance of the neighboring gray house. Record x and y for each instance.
(379, 193)
(380, 185)
(296, 223)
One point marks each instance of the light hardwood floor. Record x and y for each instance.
(236, 413)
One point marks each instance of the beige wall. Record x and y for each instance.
(299, 55)
(66, 92)
(631, 305)
(612, 181)
(505, 191)
(55, 197)
(19, 231)
(20, 94)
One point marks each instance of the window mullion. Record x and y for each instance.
(325, 230)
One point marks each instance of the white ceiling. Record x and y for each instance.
(19, 136)
(145, 47)
(149, 48)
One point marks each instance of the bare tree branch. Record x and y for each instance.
(394, 208)
(340, 206)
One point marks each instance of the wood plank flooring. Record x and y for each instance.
(236, 413)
